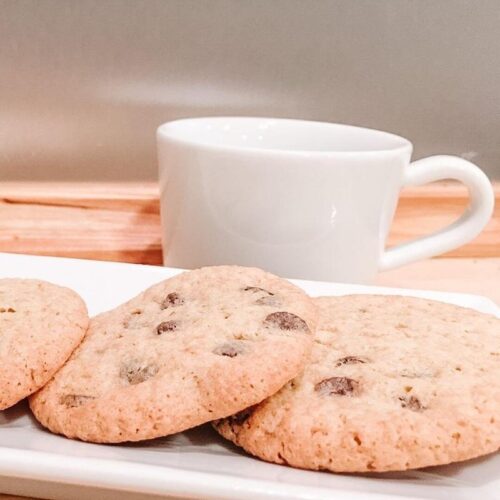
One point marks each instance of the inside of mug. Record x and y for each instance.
(280, 135)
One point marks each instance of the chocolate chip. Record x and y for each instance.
(340, 386)
(229, 349)
(237, 420)
(166, 326)
(173, 299)
(136, 372)
(7, 310)
(256, 289)
(350, 360)
(286, 321)
(412, 403)
(74, 400)
(241, 417)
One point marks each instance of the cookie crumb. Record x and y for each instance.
(229, 349)
(269, 300)
(412, 403)
(350, 360)
(136, 372)
(74, 400)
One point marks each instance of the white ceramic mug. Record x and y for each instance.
(301, 199)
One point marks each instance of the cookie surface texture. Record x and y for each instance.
(199, 346)
(40, 325)
(394, 383)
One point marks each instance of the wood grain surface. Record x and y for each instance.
(121, 222)
(462, 275)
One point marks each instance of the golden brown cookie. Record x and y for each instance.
(40, 326)
(393, 383)
(199, 346)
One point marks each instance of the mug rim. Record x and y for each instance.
(166, 131)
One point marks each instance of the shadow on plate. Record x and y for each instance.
(201, 439)
(17, 415)
(458, 474)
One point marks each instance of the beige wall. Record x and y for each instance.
(84, 84)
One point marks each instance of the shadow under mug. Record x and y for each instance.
(301, 199)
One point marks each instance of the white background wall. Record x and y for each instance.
(84, 83)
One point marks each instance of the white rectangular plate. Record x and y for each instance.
(199, 463)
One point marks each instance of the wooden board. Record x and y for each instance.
(121, 222)
(464, 275)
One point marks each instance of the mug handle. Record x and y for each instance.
(464, 229)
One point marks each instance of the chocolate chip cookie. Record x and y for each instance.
(393, 383)
(40, 325)
(200, 346)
